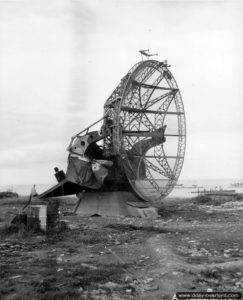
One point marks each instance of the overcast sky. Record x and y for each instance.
(60, 60)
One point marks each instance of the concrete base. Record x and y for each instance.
(37, 214)
(114, 204)
(141, 211)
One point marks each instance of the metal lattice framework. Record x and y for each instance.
(146, 100)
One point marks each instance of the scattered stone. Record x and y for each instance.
(224, 278)
(194, 251)
(15, 277)
(148, 280)
(59, 259)
(192, 287)
(151, 288)
(109, 285)
(239, 284)
(128, 279)
(163, 273)
(89, 266)
(176, 273)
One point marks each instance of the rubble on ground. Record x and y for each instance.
(116, 258)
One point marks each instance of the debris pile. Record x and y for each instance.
(233, 204)
(213, 278)
(126, 257)
(194, 250)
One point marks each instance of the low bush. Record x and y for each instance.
(8, 194)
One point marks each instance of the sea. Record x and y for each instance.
(184, 188)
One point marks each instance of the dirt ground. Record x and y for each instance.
(190, 247)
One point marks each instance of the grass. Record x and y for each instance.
(66, 284)
(60, 295)
(18, 231)
(24, 231)
(8, 194)
(14, 201)
(94, 237)
(103, 273)
(216, 200)
(132, 227)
